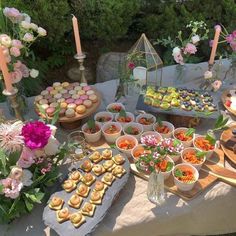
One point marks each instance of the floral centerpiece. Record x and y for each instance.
(30, 155)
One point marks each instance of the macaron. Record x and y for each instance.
(53, 92)
(88, 103)
(76, 84)
(54, 104)
(86, 88)
(70, 100)
(44, 92)
(66, 95)
(93, 98)
(43, 101)
(90, 92)
(63, 91)
(70, 87)
(56, 84)
(81, 92)
(72, 92)
(71, 106)
(70, 113)
(78, 88)
(63, 105)
(75, 96)
(61, 100)
(80, 109)
(58, 88)
(48, 96)
(44, 106)
(50, 88)
(58, 96)
(50, 111)
(84, 97)
(38, 98)
(83, 84)
(65, 84)
(51, 100)
(78, 101)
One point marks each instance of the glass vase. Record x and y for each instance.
(181, 73)
(155, 190)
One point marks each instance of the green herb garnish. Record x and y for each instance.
(200, 154)
(169, 166)
(176, 142)
(178, 173)
(159, 121)
(91, 125)
(211, 139)
(122, 113)
(190, 132)
(129, 130)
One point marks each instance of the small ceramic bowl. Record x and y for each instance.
(129, 115)
(209, 152)
(196, 165)
(168, 125)
(111, 137)
(182, 186)
(186, 144)
(137, 152)
(147, 133)
(92, 138)
(115, 107)
(103, 117)
(146, 127)
(133, 125)
(122, 142)
(167, 174)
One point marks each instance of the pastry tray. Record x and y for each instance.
(67, 228)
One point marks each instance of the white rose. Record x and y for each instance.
(195, 39)
(28, 37)
(25, 24)
(34, 73)
(176, 51)
(53, 128)
(208, 74)
(5, 40)
(42, 32)
(33, 26)
(27, 18)
(52, 147)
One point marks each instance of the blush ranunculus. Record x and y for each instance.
(190, 49)
(26, 159)
(11, 187)
(36, 134)
(14, 51)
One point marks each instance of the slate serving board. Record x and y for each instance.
(67, 228)
(178, 111)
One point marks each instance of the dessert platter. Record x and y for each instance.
(179, 101)
(75, 101)
(228, 99)
(87, 193)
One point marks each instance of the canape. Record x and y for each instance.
(146, 120)
(77, 219)
(56, 203)
(111, 131)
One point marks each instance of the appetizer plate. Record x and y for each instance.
(67, 228)
(225, 97)
(178, 110)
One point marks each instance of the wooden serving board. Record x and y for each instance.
(224, 98)
(226, 135)
(77, 117)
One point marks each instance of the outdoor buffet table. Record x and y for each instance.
(213, 212)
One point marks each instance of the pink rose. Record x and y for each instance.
(15, 52)
(22, 68)
(11, 187)
(131, 65)
(13, 14)
(26, 159)
(216, 85)
(17, 43)
(28, 37)
(190, 49)
(16, 76)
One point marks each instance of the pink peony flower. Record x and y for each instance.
(11, 187)
(26, 159)
(36, 134)
(22, 68)
(15, 52)
(16, 76)
(131, 65)
(13, 14)
(216, 85)
(17, 43)
(190, 49)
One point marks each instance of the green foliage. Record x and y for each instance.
(105, 19)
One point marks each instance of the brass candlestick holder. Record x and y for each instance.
(80, 58)
(12, 96)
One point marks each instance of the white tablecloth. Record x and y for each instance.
(213, 212)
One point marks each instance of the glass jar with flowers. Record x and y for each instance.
(17, 36)
(185, 49)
